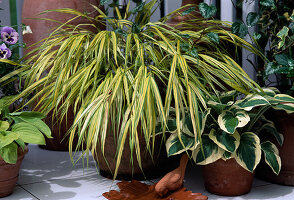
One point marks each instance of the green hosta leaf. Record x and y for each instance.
(271, 154)
(251, 101)
(213, 37)
(21, 143)
(9, 153)
(211, 152)
(7, 137)
(28, 133)
(28, 115)
(188, 11)
(268, 3)
(174, 145)
(282, 59)
(206, 10)
(252, 19)
(239, 29)
(282, 34)
(228, 142)
(4, 125)
(248, 154)
(36, 122)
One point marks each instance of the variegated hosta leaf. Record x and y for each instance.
(228, 96)
(251, 101)
(188, 126)
(243, 118)
(288, 107)
(218, 107)
(271, 91)
(171, 126)
(228, 142)
(229, 121)
(209, 152)
(227, 155)
(283, 102)
(271, 154)
(248, 154)
(270, 127)
(174, 146)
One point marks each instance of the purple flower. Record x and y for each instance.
(5, 52)
(9, 35)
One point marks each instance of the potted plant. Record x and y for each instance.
(16, 130)
(274, 36)
(122, 80)
(230, 145)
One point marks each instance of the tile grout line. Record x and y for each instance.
(29, 192)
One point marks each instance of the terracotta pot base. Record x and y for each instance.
(227, 178)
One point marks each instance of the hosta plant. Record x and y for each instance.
(129, 75)
(19, 128)
(231, 126)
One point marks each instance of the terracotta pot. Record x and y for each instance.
(60, 140)
(227, 178)
(152, 167)
(42, 28)
(285, 125)
(178, 18)
(9, 173)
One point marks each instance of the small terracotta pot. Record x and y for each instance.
(9, 173)
(227, 178)
(285, 124)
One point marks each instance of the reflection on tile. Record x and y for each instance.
(19, 194)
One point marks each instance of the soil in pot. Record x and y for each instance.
(227, 178)
(9, 174)
(152, 167)
(285, 124)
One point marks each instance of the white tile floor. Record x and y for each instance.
(50, 175)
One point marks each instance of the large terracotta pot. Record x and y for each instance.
(9, 174)
(42, 28)
(285, 125)
(227, 178)
(152, 167)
